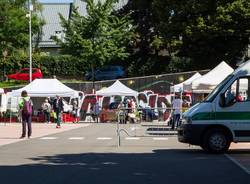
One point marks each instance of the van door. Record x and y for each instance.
(233, 108)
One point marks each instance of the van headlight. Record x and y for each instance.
(187, 120)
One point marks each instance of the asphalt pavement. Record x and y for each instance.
(90, 154)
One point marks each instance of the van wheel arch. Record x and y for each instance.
(220, 129)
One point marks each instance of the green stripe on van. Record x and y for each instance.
(204, 116)
(222, 116)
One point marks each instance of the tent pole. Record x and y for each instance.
(10, 108)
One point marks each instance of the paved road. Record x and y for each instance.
(90, 155)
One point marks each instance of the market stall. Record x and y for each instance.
(179, 87)
(116, 89)
(41, 88)
(207, 82)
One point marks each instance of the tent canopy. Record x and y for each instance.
(46, 88)
(179, 87)
(1, 90)
(117, 89)
(207, 82)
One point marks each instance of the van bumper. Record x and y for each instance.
(190, 133)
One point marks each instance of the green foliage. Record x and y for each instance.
(12, 83)
(146, 49)
(205, 31)
(64, 66)
(99, 37)
(148, 66)
(179, 64)
(14, 27)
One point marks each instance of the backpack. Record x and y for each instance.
(27, 108)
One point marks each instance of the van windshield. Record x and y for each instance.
(216, 90)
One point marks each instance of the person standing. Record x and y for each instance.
(25, 105)
(133, 105)
(58, 109)
(46, 110)
(177, 105)
(75, 111)
(97, 111)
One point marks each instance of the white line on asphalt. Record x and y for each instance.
(48, 138)
(160, 138)
(238, 164)
(76, 138)
(109, 163)
(103, 138)
(135, 128)
(132, 138)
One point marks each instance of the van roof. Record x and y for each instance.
(243, 69)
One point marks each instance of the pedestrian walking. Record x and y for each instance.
(46, 107)
(25, 106)
(58, 109)
(177, 105)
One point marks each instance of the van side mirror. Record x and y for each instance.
(222, 100)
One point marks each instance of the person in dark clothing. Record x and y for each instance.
(58, 109)
(25, 105)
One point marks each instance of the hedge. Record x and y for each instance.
(61, 66)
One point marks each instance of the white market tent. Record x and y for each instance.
(117, 89)
(46, 88)
(3, 100)
(179, 87)
(207, 82)
(1, 90)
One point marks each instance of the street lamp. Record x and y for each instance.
(30, 39)
(93, 77)
(5, 53)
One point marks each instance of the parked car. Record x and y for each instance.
(23, 74)
(107, 73)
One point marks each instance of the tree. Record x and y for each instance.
(146, 47)
(14, 27)
(206, 31)
(100, 37)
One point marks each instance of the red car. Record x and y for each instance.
(23, 74)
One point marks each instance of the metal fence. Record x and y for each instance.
(140, 122)
(157, 83)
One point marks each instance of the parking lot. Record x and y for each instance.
(79, 153)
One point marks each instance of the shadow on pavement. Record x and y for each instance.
(239, 151)
(160, 166)
(10, 138)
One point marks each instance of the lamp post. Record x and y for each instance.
(5, 53)
(93, 77)
(30, 39)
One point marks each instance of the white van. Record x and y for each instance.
(223, 117)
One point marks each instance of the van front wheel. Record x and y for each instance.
(216, 141)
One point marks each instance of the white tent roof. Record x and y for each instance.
(179, 87)
(207, 82)
(117, 89)
(46, 88)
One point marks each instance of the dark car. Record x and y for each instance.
(23, 74)
(107, 73)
